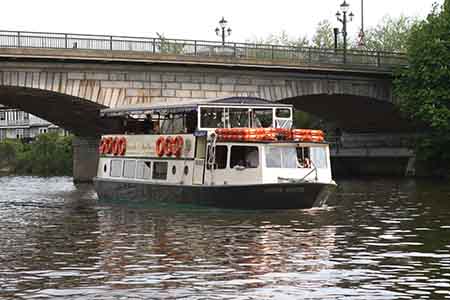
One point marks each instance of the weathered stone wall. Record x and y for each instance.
(114, 86)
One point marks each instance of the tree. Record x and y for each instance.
(283, 39)
(423, 88)
(324, 36)
(390, 35)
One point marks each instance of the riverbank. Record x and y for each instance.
(48, 155)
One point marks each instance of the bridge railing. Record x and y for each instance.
(200, 48)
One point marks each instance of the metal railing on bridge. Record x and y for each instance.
(197, 48)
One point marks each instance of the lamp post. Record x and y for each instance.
(344, 18)
(223, 28)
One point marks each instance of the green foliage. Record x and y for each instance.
(324, 36)
(48, 155)
(423, 88)
(282, 39)
(390, 35)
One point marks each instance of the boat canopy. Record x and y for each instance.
(160, 108)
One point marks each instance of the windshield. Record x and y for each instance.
(281, 157)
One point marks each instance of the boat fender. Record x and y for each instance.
(160, 148)
(177, 145)
(168, 146)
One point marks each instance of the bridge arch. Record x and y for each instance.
(353, 113)
(80, 116)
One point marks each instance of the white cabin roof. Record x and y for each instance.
(187, 106)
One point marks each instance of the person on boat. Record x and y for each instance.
(252, 159)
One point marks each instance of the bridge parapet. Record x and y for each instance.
(208, 51)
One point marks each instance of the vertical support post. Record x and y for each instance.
(195, 48)
(18, 39)
(378, 58)
(110, 43)
(234, 50)
(273, 54)
(65, 41)
(154, 45)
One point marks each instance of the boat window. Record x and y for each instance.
(116, 168)
(281, 157)
(319, 157)
(245, 156)
(239, 117)
(160, 170)
(303, 156)
(143, 170)
(173, 123)
(221, 158)
(283, 113)
(262, 118)
(212, 117)
(129, 168)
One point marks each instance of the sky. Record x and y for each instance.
(196, 19)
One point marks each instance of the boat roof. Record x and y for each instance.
(191, 105)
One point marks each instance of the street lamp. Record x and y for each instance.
(344, 18)
(223, 29)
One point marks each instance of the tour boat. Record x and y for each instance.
(233, 152)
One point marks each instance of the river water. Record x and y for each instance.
(376, 239)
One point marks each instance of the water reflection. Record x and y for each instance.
(378, 239)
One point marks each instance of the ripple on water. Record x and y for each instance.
(379, 239)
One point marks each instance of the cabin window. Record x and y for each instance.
(143, 170)
(160, 170)
(262, 118)
(221, 158)
(129, 168)
(304, 157)
(239, 117)
(116, 168)
(2, 115)
(281, 157)
(319, 157)
(245, 156)
(212, 117)
(283, 113)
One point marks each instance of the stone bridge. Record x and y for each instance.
(70, 93)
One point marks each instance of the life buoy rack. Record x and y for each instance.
(160, 146)
(269, 134)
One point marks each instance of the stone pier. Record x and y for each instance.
(85, 159)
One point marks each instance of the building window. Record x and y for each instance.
(160, 170)
(143, 170)
(244, 156)
(116, 168)
(129, 168)
(221, 158)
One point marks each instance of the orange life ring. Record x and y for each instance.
(108, 145)
(168, 146)
(121, 146)
(101, 146)
(115, 146)
(177, 145)
(160, 146)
